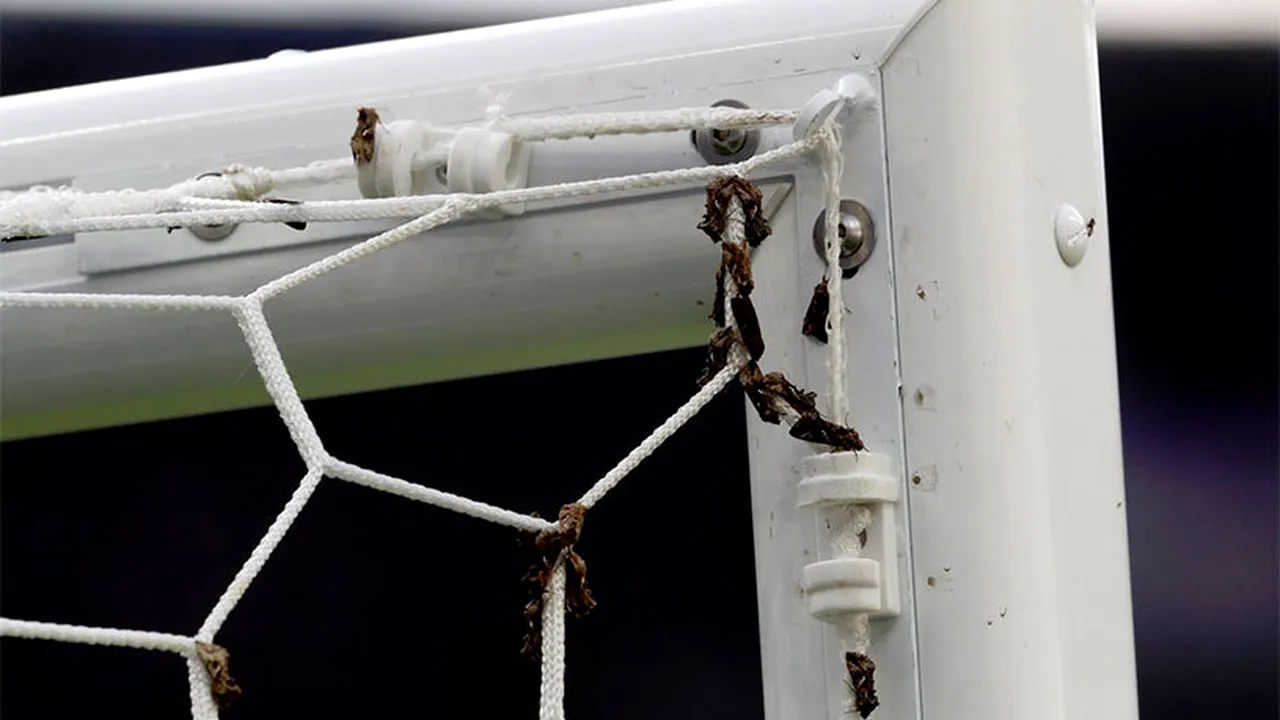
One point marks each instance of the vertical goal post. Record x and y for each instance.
(980, 348)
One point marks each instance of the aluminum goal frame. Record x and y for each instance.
(982, 355)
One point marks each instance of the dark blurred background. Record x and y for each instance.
(142, 526)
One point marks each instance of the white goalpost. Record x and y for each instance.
(884, 219)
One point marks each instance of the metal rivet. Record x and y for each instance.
(857, 233)
(1071, 232)
(212, 233)
(723, 147)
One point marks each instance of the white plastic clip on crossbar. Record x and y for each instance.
(852, 94)
(867, 584)
(414, 158)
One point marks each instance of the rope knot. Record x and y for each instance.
(248, 183)
(569, 527)
(550, 548)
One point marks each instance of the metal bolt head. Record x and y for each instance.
(857, 236)
(728, 142)
(723, 147)
(212, 233)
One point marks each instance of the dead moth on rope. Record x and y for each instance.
(362, 141)
(862, 683)
(720, 192)
(216, 662)
(722, 341)
(772, 395)
(775, 397)
(748, 324)
(815, 317)
(735, 264)
(549, 548)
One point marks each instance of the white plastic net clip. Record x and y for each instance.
(852, 94)
(861, 577)
(412, 157)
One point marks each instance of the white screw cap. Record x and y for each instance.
(1071, 232)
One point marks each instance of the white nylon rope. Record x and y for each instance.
(832, 169)
(48, 211)
(551, 706)
(855, 632)
(16, 222)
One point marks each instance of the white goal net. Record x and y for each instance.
(736, 217)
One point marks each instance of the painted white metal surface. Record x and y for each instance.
(486, 298)
(506, 58)
(803, 658)
(1008, 364)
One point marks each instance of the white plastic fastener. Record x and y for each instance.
(868, 583)
(842, 586)
(414, 158)
(847, 478)
(391, 172)
(482, 161)
(851, 94)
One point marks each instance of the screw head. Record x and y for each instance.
(857, 236)
(728, 142)
(212, 233)
(723, 147)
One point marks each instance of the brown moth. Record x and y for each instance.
(717, 305)
(362, 141)
(549, 547)
(752, 381)
(718, 347)
(748, 324)
(216, 662)
(734, 260)
(719, 193)
(818, 430)
(815, 318)
(801, 401)
(862, 683)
